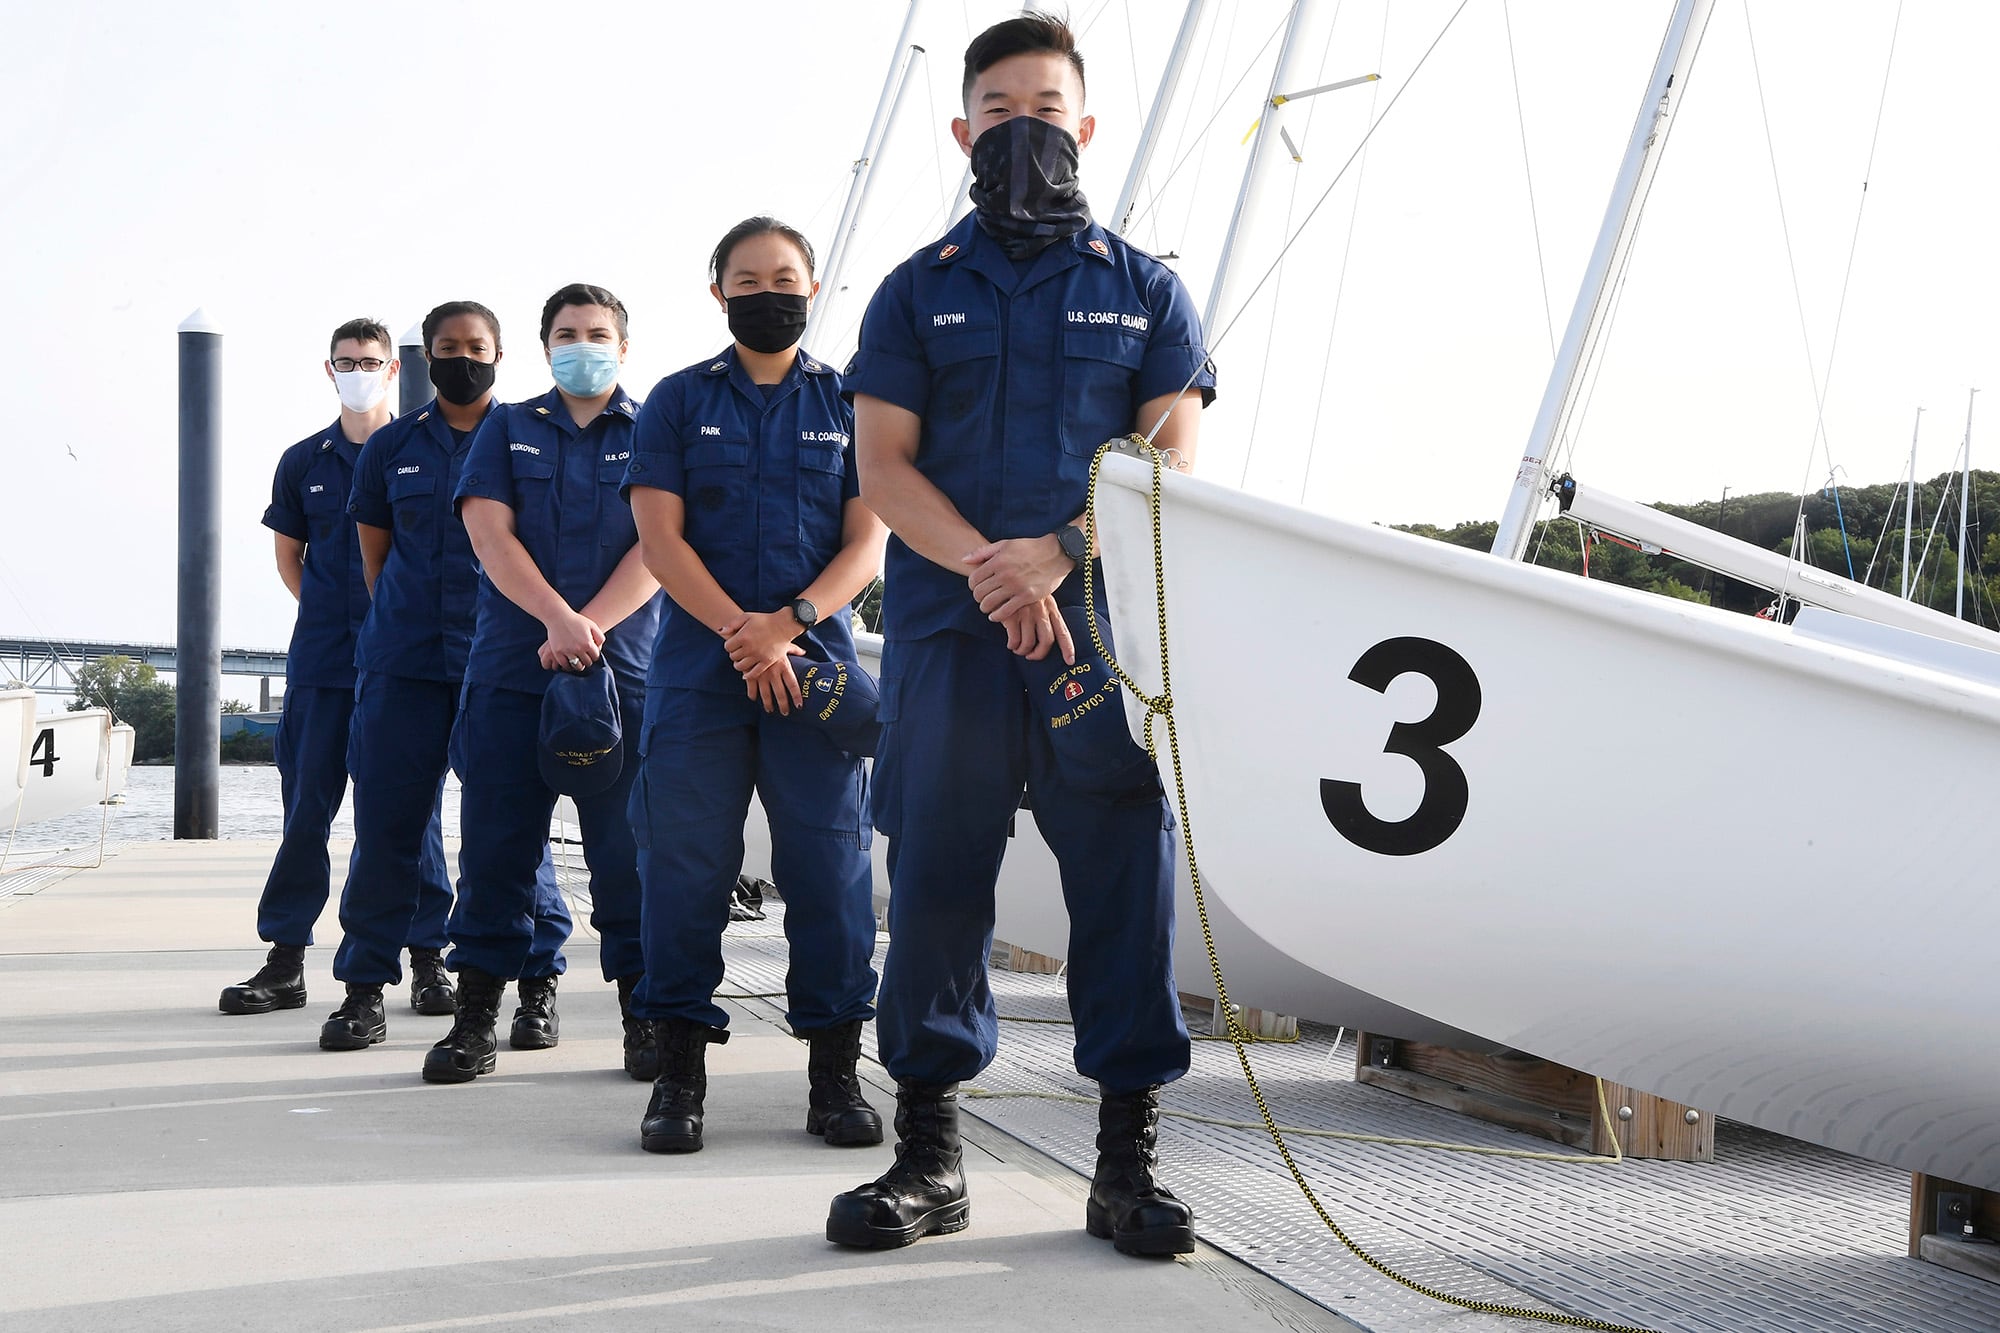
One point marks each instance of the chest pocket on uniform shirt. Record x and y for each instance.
(822, 470)
(717, 500)
(325, 508)
(616, 526)
(965, 382)
(1100, 369)
(412, 500)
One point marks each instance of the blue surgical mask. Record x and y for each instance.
(584, 370)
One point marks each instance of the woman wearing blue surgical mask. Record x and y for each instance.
(744, 488)
(561, 589)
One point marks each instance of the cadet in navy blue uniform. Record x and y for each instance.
(561, 584)
(411, 659)
(992, 365)
(321, 565)
(748, 505)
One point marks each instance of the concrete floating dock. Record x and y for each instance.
(163, 1166)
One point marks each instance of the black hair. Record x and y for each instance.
(453, 308)
(1032, 33)
(582, 293)
(363, 331)
(757, 226)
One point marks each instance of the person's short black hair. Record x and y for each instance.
(453, 308)
(1031, 33)
(757, 226)
(363, 331)
(582, 293)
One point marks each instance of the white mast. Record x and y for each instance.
(1614, 243)
(1910, 503)
(1291, 57)
(1149, 138)
(1964, 500)
(900, 65)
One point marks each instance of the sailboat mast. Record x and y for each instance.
(900, 65)
(1964, 500)
(1291, 56)
(1910, 503)
(1149, 138)
(1614, 242)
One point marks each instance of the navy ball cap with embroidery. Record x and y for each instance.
(582, 738)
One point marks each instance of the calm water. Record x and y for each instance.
(251, 808)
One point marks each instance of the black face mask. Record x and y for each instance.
(767, 321)
(460, 380)
(1024, 185)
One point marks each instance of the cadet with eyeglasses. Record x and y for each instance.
(320, 563)
(562, 588)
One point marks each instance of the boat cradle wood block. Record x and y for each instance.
(1536, 1097)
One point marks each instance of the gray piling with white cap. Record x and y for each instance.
(415, 376)
(198, 610)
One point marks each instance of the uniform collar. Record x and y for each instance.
(551, 408)
(728, 364)
(967, 243)
(430, 419)
(334, 440)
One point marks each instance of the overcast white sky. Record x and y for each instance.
(290, 166)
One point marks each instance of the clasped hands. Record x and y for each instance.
(574, 642)
(760, 647)
(1014, 581)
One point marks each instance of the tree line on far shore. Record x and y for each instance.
(136, 696)
(1856, 532)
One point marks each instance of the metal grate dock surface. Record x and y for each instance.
(1774, 1235)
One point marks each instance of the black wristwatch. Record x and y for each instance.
(1074, 544)
(804, 612)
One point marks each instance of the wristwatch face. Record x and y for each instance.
(806, 613)
(1070, 538)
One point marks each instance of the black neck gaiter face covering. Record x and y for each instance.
(1024, 186)
(461, 380)
(767, 321)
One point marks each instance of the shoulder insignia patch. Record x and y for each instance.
(949, 250)
(1099, 246)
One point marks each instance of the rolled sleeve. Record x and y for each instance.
(890, 362)
(656, 443)
(488, 472)
(368, 499)
(1176, 357)
(286, 513)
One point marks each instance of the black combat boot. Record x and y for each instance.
(536, 1026)
(279, 984)
(1135, 1212)
(835, 1109)
(923, 1194)
(430, 984)
(642, 1041)
(468, 1050)
(673, 1116)
(359, 1022)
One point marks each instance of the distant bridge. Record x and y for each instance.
(50, 665)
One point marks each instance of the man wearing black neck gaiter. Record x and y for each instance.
(992, 365)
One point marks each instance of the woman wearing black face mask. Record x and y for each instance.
(743, 484)
(411, 655)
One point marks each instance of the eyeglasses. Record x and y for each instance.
(371, 364)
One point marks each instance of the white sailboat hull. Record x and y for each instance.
(1674, 861)
(52, 764)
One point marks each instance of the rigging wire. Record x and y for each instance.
(1340, 281)
(1528, 173)
(1291, 208)
(1221, 105)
